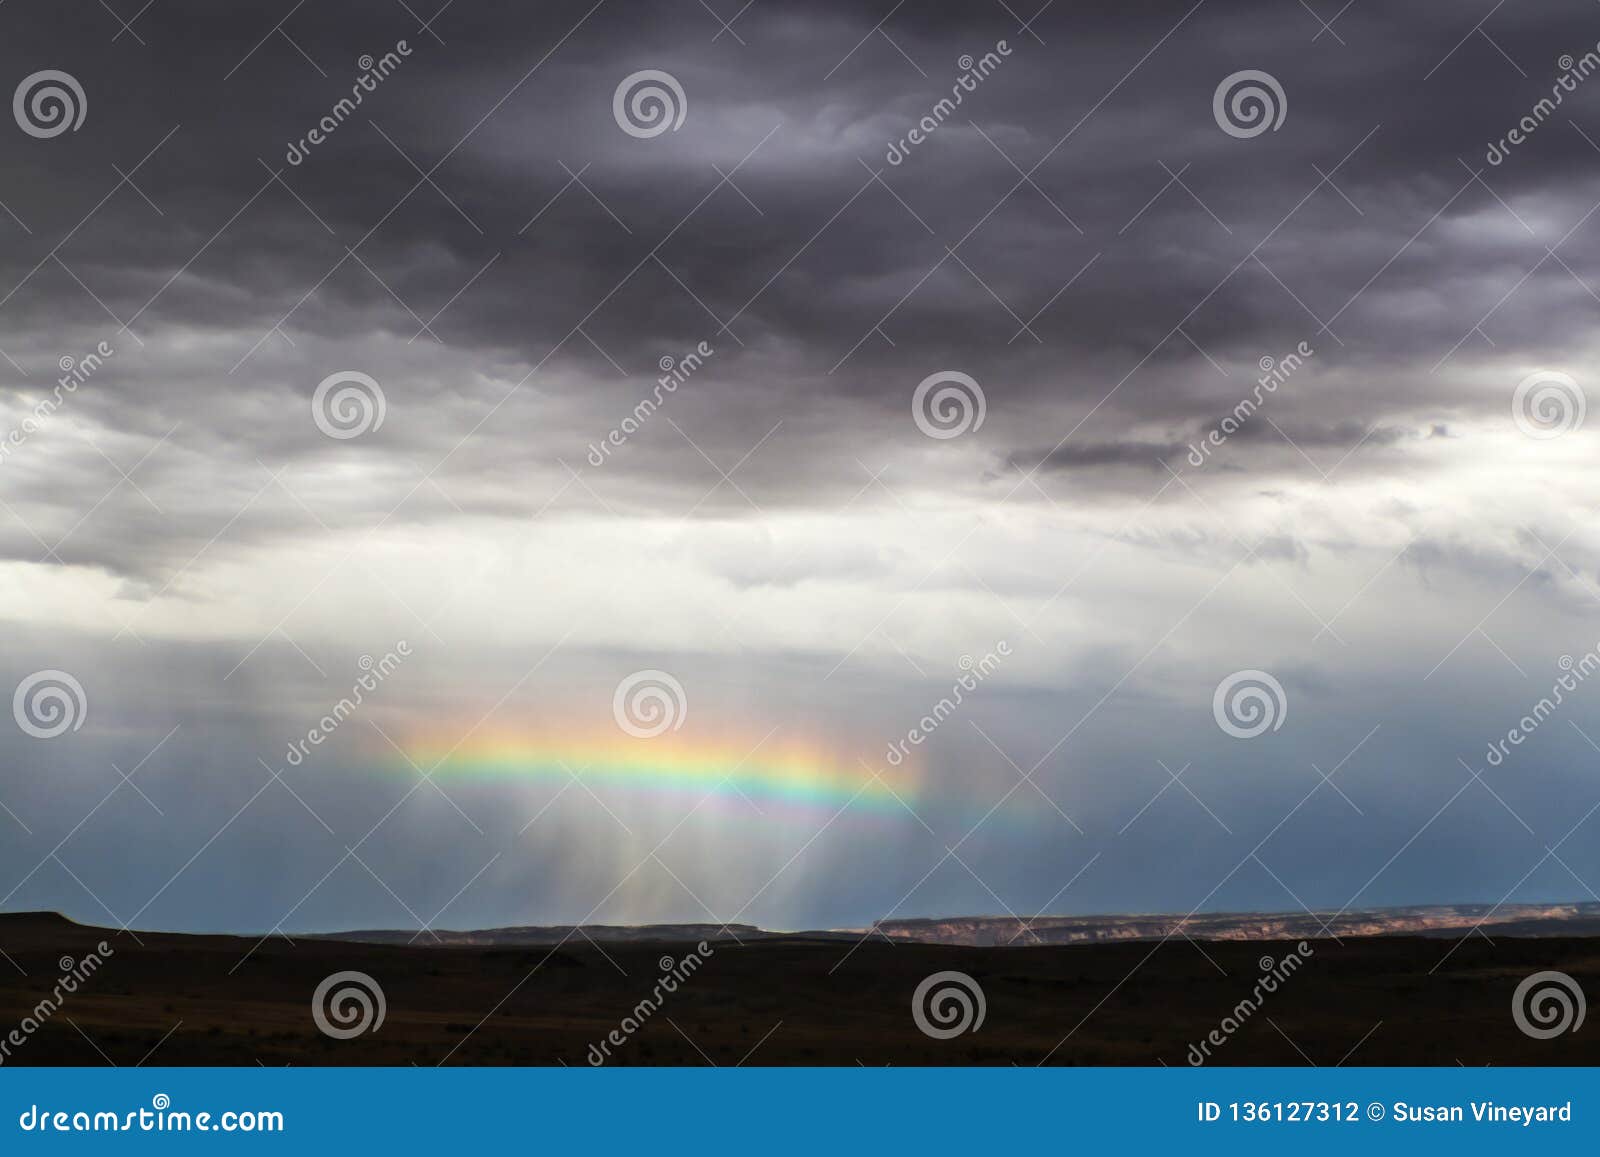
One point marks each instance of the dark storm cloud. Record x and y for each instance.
(803, 252)
(1145, 454)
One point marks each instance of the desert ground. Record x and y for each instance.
(213, 1000)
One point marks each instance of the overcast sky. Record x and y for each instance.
(1099, 250)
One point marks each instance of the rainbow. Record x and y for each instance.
(789, 773)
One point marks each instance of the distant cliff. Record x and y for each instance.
(536, 936)
(1434, 920)
(1004, 931)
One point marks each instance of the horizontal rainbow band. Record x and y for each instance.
(789, 774)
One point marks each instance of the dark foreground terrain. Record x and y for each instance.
(775, 1000)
